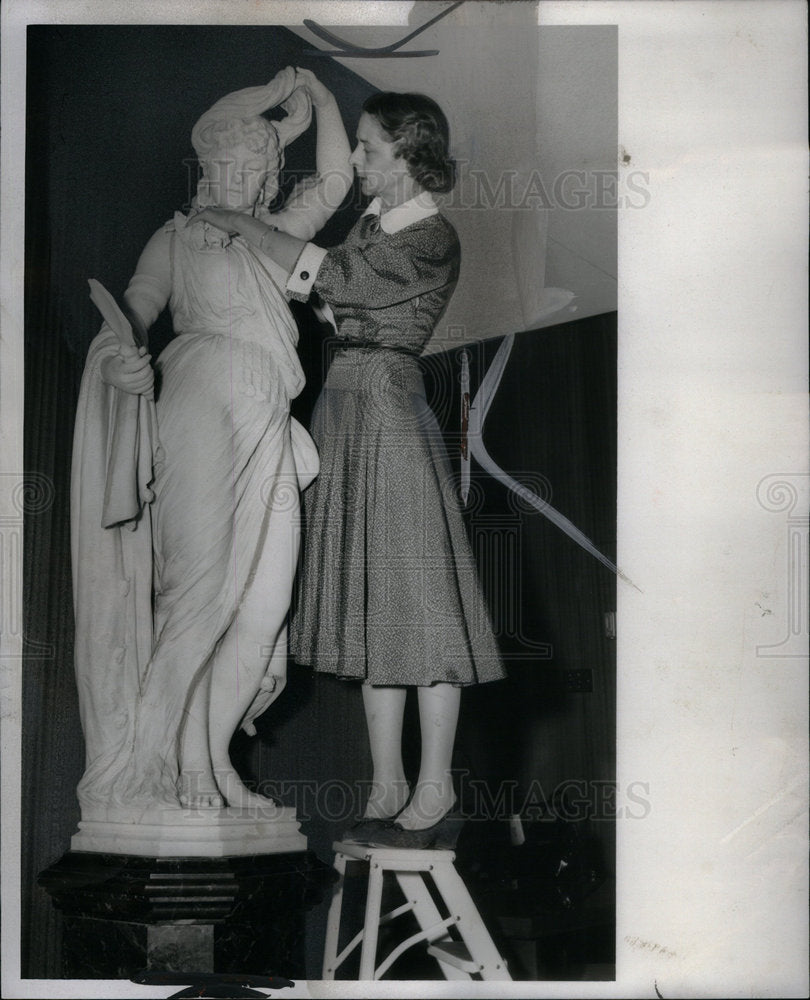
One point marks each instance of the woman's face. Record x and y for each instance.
(382, 173)
(233, 177)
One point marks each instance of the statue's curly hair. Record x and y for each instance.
(256, 133)
(420, 129)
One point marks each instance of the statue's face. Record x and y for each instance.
(233, 176)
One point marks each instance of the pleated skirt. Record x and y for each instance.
(388, 590)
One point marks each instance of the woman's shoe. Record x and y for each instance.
(442, 836)
(360, 831)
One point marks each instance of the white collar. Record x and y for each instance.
(418, 208)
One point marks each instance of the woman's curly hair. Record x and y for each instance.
(419, 127)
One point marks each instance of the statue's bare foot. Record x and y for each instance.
(199, 790)
(239, 796)
(251, 800)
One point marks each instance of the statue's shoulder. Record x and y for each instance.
(156, 255)
(164, 233)
(177, 222)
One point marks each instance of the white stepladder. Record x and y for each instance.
(474, 955)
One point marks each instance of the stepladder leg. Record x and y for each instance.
(330, 950)
(371, 926)
(427, 915)
(482, 949)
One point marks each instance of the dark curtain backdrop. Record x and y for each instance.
(110, 112)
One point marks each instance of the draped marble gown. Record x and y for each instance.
(224, 520)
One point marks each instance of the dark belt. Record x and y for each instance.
(377, 346)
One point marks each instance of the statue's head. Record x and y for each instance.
(240, 163)
(240, 151)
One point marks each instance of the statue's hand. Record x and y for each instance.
(312, 85)
(130, 370)
(270, 688)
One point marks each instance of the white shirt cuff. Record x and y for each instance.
(303, 275)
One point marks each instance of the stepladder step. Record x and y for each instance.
(455, 953)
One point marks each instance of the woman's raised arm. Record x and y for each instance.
(315, 200)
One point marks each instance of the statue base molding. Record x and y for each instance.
(122, 914)
(180, 832)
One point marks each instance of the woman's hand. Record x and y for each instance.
(130, 370)
(221, 218)
(312, 85)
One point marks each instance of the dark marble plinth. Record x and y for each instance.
(123, 913)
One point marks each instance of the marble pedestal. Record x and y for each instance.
(179, 832)
(125, 913)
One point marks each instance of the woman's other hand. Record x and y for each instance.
(221, 218)
(130, 370)
(318, 93)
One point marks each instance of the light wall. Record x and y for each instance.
(533, 116)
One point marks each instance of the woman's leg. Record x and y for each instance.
(433, 794)
(385, 709)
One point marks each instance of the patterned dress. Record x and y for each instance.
(388, 590)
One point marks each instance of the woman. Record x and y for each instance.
(388, 592)
(225, 518)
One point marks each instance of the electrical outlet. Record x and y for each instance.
(579, 681)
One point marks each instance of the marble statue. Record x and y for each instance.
(185, 492)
